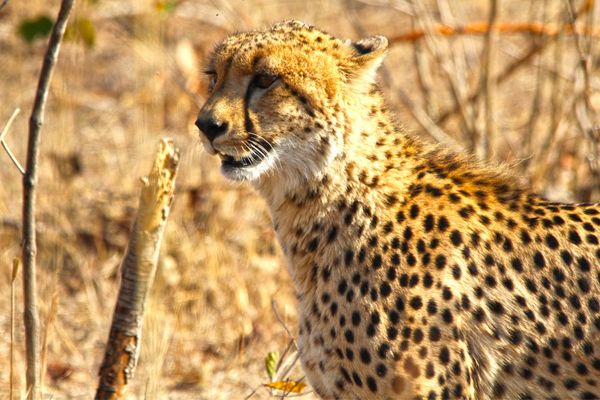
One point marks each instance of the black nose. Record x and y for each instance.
(210, 127)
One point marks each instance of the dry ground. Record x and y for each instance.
(211, 320)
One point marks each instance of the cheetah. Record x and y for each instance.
(420, 273)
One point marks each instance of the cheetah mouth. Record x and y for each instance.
(252, 159)
(248, 167)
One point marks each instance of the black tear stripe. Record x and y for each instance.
(248, 125)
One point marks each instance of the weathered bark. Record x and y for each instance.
(137, 270)
(29, 246)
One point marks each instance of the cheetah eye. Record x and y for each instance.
(263, 81)
(212, 79)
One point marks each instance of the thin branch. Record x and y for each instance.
(461, 49)
(457, 72)
(485, 135)
(584, 112)
(536, 107)
(536, 104)
(508, 71)
(15, 270)
(440, 51)
(545, 156)
(4, 3)
(424, 78)
(32, 330)
(425, 122)
(482, 28)
(5, 146)
(540, 162)
(417, 112)
(280, 320)
(402, 6)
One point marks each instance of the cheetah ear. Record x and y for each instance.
(368, 55)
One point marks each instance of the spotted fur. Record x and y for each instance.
(421, 273)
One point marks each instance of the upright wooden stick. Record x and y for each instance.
(137, 271)
(32, 329)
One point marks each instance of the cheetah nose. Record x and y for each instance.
(210, 127)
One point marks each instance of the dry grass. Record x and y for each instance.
(210, 323)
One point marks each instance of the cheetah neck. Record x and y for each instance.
(306, 217)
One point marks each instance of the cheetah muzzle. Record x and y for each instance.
(421, 273)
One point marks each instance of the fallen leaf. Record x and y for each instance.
(287, 386)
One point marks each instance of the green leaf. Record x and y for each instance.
(82, 29)
(165, 6)
(31, 29)
(271, 363)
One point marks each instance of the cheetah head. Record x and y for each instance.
(276, 99)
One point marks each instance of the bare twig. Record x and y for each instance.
(485, 135)
(253, 392)
(30, 177)
(482, 28)
(424, 77)
(499, 79)
(417, 112)
(15, 270)
(511, 68)
(399, 5)
(540, 162)
(532, 120)
(5, 146)
(584, 111)
(456, 74)
(461, 49)
(137, 271)
(545, 156)
(275, 309)
(536, 104)
(291, 346)
(425, 122)
(557, 102)
(440, 51)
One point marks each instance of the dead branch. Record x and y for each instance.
(5, 146)
(425, 122)
(442, 54)
(417, 112)
(506, 73)
(534, 49)
(539, 160)
(424, 77)
(457, 75)
(583, 109)
(483, 27)
(486, 133)
(137, 274)
(536, 10)
(30, 177)
(15, 270)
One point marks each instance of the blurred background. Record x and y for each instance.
(129, 72)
